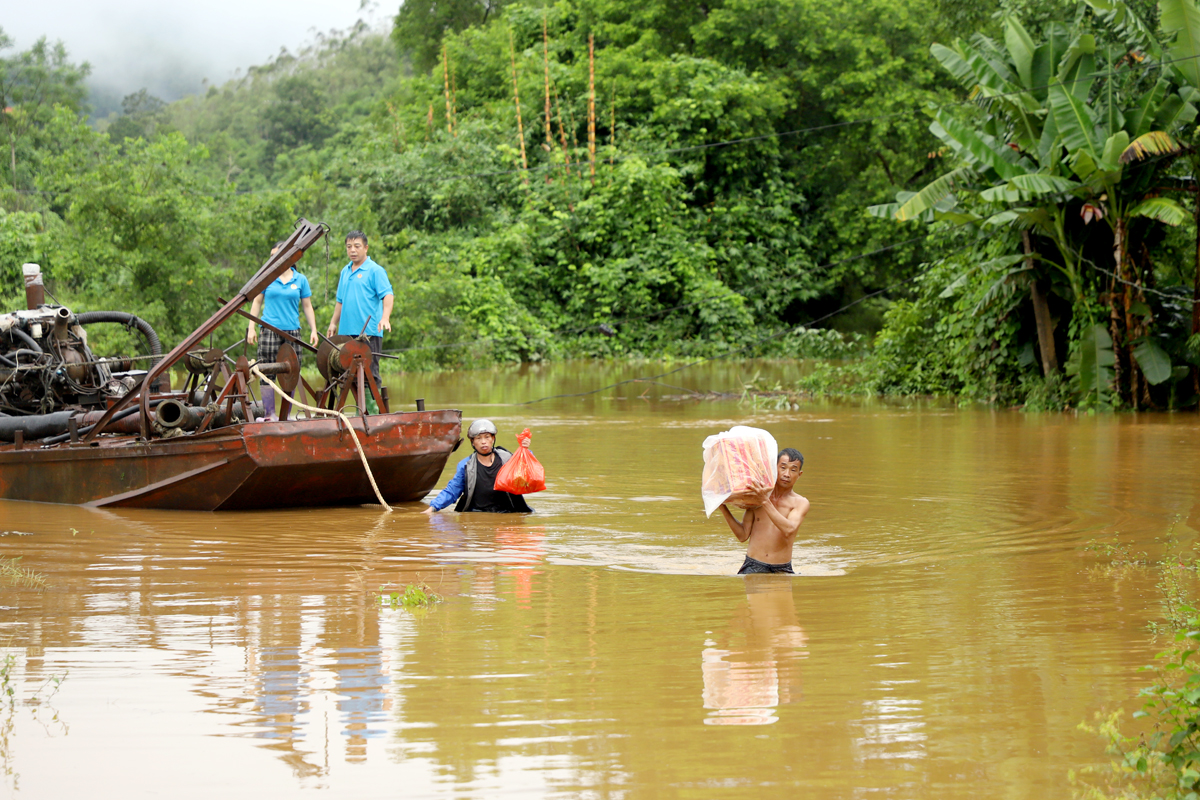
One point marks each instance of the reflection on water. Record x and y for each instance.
(751, 668)
(945, 635)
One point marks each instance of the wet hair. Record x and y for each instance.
(357, 235)
(280, 243)
(793, 455)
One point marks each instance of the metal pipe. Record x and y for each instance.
(274, 368)
(174, 414)
(61, 318)
(124, 420)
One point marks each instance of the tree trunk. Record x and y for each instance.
(1125, 273)
(1121, 318)
(1041, 315)
(12, 149)
(1114, 330)
(1196, 298)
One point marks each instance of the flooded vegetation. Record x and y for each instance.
(948, 631)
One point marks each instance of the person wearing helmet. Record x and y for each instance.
(474, 481)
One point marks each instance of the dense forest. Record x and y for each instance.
(993, 201)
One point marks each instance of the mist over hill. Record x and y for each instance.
(173, 50)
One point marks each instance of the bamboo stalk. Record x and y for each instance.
(446, 82)
(512, 52)
(592, 106)
(454, 101)
(612, 129)
(562, 134)
(1196, 295)
(429, 124)
(397, 127)
(546, 64)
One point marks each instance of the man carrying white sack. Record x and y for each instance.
(773, 515)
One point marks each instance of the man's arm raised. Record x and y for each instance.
(738, 528)
(790, 523)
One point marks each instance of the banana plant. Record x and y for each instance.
(1056, 137)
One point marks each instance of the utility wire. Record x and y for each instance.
(751, 345)
(974, 100)
(660, 312)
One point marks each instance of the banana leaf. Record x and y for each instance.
(1095, 365)
(1110, 154)
(1074, 120)
(1142, 118)
(1002, 285)
(1176, 110)
(971, 145)
(1028, 187)
(955, 64)
(1163, 209)
(1077, 65)
(936, 191)
(1020, 49)
(1154, 143)
(1155, 364)
(1182, 18)
(1127, 23)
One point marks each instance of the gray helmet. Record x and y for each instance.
(481, 426)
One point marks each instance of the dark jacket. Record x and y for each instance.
(462, 485)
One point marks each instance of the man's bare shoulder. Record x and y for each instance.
(792, 500)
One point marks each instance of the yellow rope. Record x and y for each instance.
(328, 411)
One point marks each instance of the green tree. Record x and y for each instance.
(1057, 139)
(299, 115)
(32, 82)
(146, 230)
(421, 24)
(143, 115)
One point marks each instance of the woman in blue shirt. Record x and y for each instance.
(280, 306)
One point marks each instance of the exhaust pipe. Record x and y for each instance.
(62, 319)
(174, 414)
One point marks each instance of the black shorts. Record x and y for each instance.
(752, 566)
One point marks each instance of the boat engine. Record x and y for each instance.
(46, 365)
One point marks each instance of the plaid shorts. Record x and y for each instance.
(269, 342)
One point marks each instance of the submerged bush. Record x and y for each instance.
(415, 595)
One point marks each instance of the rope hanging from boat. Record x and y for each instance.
(331, 412)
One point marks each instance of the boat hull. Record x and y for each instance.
(295, 463)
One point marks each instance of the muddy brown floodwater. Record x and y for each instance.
(945, 638)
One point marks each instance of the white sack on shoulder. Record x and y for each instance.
(732, 460)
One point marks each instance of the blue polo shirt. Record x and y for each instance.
(281, 301)
(361, 292)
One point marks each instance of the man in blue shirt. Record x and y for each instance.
(364, 298)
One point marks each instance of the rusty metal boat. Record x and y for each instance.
(94, 431)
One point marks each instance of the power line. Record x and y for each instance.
(756, 343)
(727, 142)
(660, 312)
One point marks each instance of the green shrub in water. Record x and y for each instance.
(415, 595)
(13, 574)
(1163, 764)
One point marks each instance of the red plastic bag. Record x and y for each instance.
(522, 474)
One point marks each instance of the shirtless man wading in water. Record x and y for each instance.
(771, 526)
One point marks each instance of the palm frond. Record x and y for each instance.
(1163, 209)
(932, 194)
(1154, 143)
